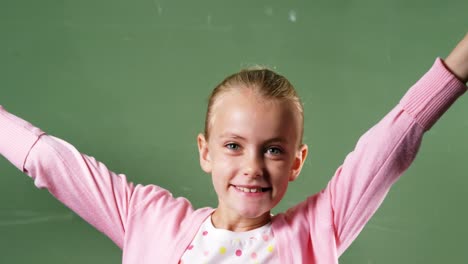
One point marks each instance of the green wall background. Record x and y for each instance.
(127, 82)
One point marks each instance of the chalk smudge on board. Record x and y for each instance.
(22, 217)
(159, 7)
(186, 188)
(292, 16)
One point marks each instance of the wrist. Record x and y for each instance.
(457, 60)
(459, 70)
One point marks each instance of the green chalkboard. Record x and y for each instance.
(127, 83)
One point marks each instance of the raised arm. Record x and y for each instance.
(101, 197)
(385, 151)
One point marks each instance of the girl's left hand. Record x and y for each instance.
(457, 60)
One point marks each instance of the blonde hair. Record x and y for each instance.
(265, 83)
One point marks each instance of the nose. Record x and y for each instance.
(253, 165)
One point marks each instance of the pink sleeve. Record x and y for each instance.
(101, 197)
(384, 152)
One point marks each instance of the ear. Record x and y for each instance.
(299, 159)
(205, 160)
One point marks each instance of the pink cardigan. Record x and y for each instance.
(153, 227)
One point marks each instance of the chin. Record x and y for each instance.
(253, 213)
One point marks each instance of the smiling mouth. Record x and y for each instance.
(251, 190)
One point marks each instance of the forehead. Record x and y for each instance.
(244, 113)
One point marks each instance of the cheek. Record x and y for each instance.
(279, 176)
(279, 169)
(224, 160)
(223, 163)
(280, 173)
(223, 170)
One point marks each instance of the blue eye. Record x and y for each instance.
(274, 151)
(232, 146)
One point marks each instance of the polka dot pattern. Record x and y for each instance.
(270, 248)
(212, 245)
(222, 250)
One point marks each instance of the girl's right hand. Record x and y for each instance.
(457, 60)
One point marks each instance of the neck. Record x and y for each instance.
(237, 223)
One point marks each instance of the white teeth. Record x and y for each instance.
(248, 190)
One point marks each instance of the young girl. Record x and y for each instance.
(252, 146)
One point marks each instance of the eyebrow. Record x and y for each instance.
(238, 137)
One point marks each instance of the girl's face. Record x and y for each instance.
(252, 152)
